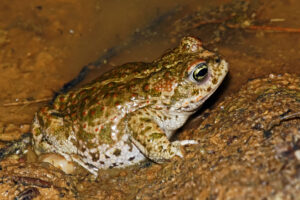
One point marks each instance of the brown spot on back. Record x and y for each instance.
(146, 87)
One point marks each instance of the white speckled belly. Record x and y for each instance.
(121, 154)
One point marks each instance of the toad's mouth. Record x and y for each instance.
(193, 107)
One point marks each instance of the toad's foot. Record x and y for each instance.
(150, 139)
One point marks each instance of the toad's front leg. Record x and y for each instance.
(150, 138)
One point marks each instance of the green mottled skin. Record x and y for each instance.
(129, 112)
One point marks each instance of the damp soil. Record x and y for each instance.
(248, 132)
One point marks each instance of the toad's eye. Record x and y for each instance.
(200, 72)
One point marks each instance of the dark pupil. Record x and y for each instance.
(200, 72)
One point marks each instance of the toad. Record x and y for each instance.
(130, 113)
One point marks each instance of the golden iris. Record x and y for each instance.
(200, 72)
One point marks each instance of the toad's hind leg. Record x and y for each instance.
(53, 133)
(150, 138)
